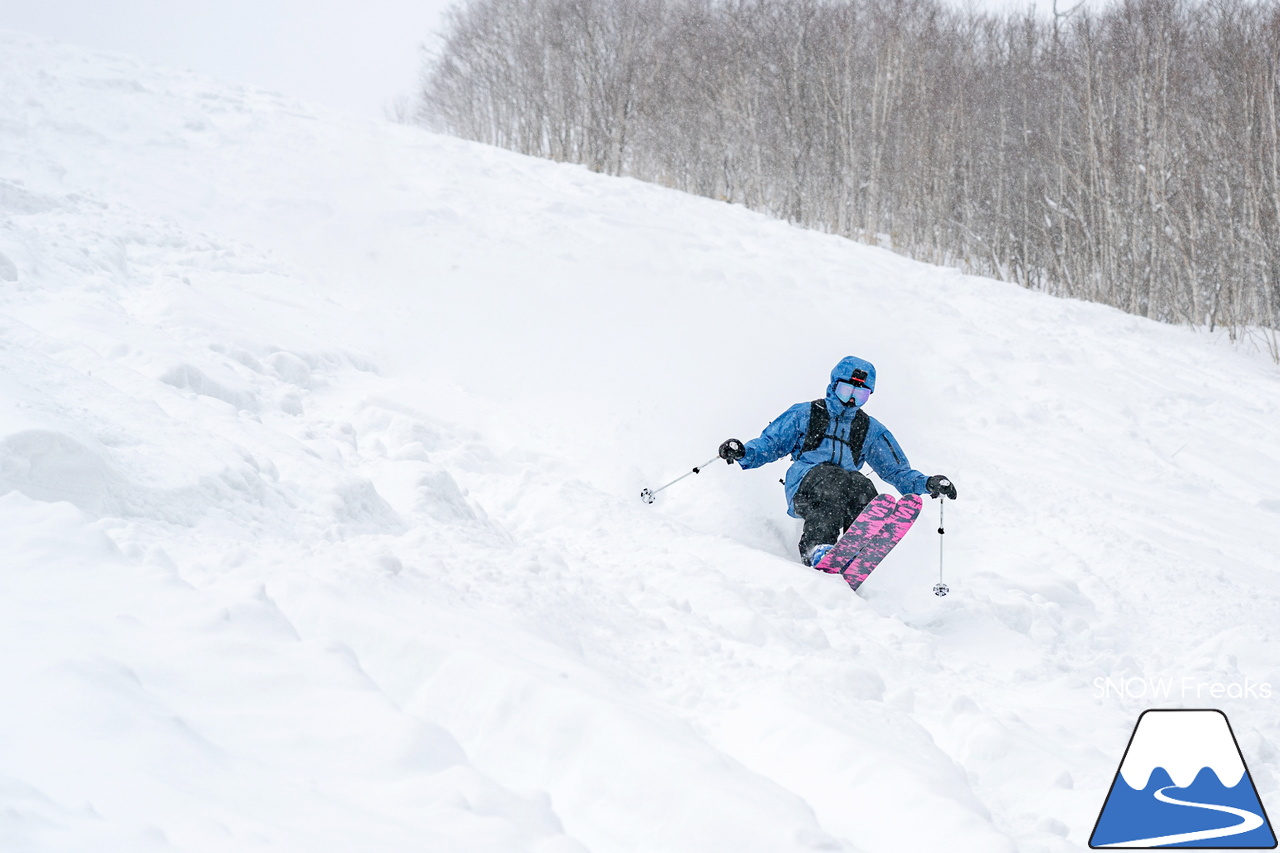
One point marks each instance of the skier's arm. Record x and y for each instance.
(886, 458)
(783, 435)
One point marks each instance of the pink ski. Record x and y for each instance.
(888, 533)
(863, 528)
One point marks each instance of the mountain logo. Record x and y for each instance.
(1183, 783)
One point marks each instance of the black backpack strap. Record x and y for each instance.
(858, 434)
(818, 420)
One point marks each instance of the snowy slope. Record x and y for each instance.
(320, 446)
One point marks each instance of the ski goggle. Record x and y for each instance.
(847, 391)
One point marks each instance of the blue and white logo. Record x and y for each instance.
(1183, 783)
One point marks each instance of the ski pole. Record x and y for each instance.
(940, 589)
(650, 495)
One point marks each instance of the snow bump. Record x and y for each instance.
(188, 377)
(51, 466)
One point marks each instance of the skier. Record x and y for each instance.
(829, 441)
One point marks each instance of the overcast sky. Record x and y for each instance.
(353, 56)
(358, 57)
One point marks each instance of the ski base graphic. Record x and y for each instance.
(856, 536)
(889, 534)
(877, 529)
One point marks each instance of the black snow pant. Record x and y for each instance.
(829, 499)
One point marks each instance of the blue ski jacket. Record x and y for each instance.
(786, 434)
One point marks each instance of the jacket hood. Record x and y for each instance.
(844, 370)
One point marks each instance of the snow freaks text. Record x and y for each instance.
(1186, 687)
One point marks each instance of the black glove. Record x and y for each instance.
(939, 485)
(732, 450)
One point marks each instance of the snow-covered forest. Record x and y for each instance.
(1128, 155)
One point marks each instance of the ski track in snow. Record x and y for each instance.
(320, 447)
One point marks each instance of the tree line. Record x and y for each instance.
(1129, 155)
